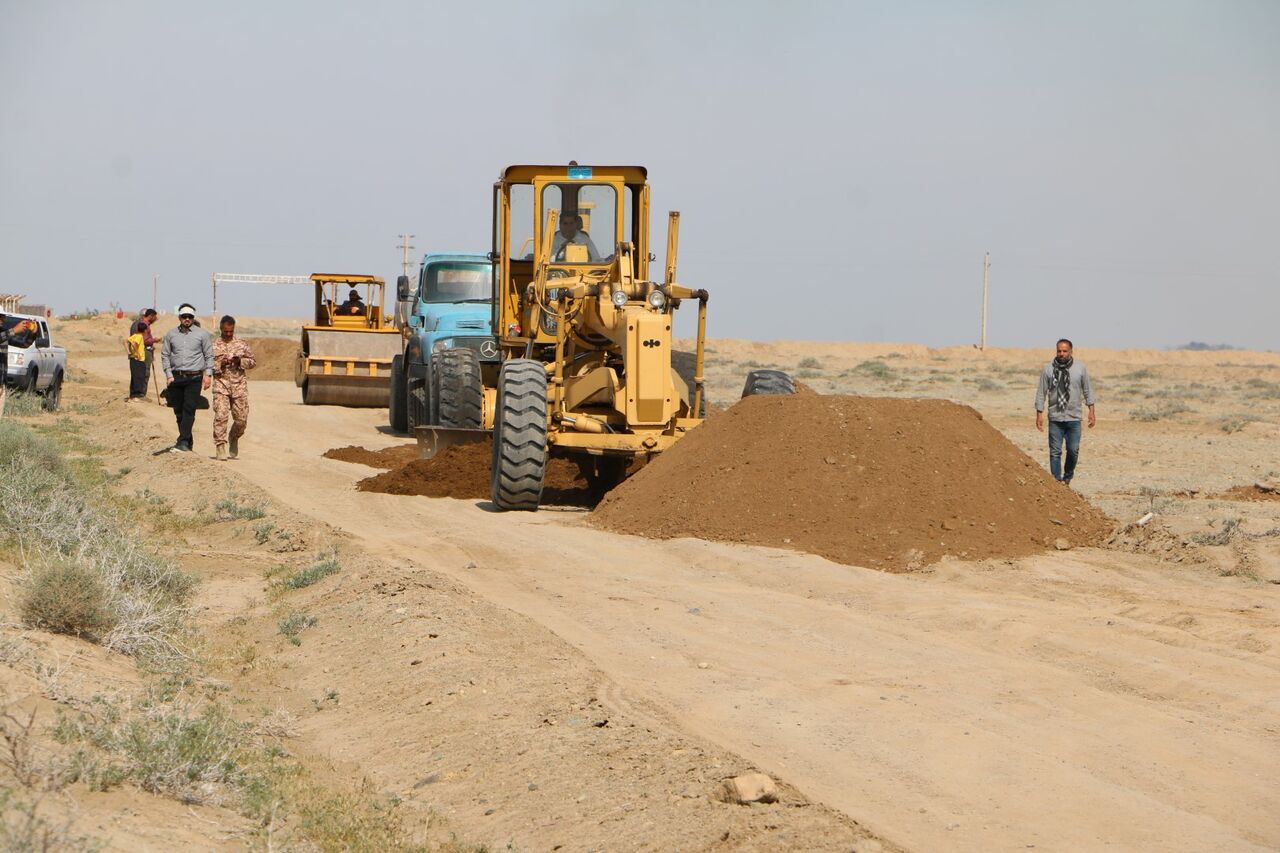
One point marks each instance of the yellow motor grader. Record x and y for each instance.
(584, 335)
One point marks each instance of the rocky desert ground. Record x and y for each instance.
(358, 667)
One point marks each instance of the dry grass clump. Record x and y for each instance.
(134, 602)
(66, 598)
(1159, 411)
(314, 573)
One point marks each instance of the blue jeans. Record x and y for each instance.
(1060, 431)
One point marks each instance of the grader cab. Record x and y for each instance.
(583, 331)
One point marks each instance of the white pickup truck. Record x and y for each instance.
(38, 366)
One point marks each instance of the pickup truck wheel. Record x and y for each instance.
(519, 436)
(772, 382)
(396, 414)
(53, 394)
(32, 381)
(461, 393)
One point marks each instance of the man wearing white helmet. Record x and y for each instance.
(186, 356)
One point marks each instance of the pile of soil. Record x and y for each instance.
(892, 484)
(388, 457)
(274, 359)
(1256, 492)
(462, 471)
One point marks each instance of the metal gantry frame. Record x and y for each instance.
(253, 278)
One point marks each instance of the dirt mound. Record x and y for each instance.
(462, 471)
(888, 483)
(274, 357)
(1256, 492)
(387, 457)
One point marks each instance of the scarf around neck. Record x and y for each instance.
(1062, 382)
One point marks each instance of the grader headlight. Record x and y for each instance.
(619, 298)
(657, 299)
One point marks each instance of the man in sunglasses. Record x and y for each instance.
(186, 356)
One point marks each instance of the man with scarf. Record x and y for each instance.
(1065, 386)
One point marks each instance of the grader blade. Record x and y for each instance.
(433, 440)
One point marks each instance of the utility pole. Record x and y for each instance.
(406, 248)
(155, 288)
(986, 269)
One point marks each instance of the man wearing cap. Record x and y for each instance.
(186, 357)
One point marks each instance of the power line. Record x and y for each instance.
(406, 248)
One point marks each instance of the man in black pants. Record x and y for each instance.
(186, 356)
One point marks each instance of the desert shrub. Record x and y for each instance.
(811, 363)
(230, 509)
(1234, 423)
(55, 519)
(262, 532)
(1159, 411)
(1263, 388)
(876, 370)
(984, 383)
(182, 750)
(1144, 373)
(294, 624)
(314, 573)
(65, 598)
(22, 405)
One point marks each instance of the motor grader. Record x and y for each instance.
(345, 356)
(584, 334)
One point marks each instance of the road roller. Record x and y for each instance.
(345, 355)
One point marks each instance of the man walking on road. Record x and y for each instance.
(1065, 386)
(186, 356)
(231, 358)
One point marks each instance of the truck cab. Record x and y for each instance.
(447, 327)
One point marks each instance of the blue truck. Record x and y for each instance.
(447, 325)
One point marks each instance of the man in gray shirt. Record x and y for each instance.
(186, 356)
(1065, 387)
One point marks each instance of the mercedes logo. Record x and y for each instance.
(488, 349)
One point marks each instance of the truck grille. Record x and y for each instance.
(487, 353)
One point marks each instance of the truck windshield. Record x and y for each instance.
(458, 282)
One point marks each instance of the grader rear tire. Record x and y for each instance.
(461, 394)
(768, 382)
(519, 436)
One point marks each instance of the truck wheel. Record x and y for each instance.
(32, 382)
(768, 382)
(519, 436)
(53, 394)
(396, 414)
(417, 404)
(460, 396)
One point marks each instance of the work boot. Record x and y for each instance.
(222, 453)
(235, 446)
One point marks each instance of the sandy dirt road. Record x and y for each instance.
(1074, 701)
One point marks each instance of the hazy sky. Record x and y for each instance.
(840, 167)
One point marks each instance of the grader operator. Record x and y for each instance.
(584, 335)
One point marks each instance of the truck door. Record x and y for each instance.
(44, 357)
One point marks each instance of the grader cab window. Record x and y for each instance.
(458, 283)
(588, 219)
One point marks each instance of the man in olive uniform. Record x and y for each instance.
(232, 357)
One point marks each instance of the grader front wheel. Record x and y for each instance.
(768, 382)
(519, 436)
